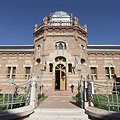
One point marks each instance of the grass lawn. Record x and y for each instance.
(104, 102)
(101, 101)
(19, 101)
(6, 101)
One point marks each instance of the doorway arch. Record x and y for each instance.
(60, 77)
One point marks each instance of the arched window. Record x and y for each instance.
(60, 46)
(60, 58)
(65, 46)
(56, 46)
(50, 67)
(69, 67)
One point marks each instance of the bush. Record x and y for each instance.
(40, 96)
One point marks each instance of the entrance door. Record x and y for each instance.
(60, 77)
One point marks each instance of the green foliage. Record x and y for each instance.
(19, 101)
(76, 97)
(103, 101)
(40, 96)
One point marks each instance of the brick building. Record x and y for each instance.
(60, 56)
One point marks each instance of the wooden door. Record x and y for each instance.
(61, 77)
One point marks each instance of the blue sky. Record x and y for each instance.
(18, 17)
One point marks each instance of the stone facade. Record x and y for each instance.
(60, 56)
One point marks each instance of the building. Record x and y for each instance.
(59, 57)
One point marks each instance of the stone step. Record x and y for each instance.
(56, 110)
(58, 114)
(60, 93)
(56, 119)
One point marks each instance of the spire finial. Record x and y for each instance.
(75, 20)
(85, 26)
(45, 20)
(35, 29)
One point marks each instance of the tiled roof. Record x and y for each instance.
(30, 48)
(16, 48)
(103, 48)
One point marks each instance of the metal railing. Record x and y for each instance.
(104, 94)
(14, 94)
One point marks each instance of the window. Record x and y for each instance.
(82, 46)
(60, 46)
(27, 72)
(56, 46)
(38, 60)
(50, 67)
(11, 72)
(65, 46)
(82, 61)
(93, 73)
(38, 47)
(69, 67)
(109, 72)
(60, 58)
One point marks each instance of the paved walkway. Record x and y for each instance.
(58, 108)
(59, 102)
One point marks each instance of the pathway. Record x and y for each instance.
(58, 108)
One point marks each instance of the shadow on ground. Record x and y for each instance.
(75, 103)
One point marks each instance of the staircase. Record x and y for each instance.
(58, 108)
(60, 93)
(58, 114)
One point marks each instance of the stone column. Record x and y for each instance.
(90, 90)
(33, 98)
(85, 94)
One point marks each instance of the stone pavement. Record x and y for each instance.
(58, 108)
(59, 102)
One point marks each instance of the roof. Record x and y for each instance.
(103, 48)
(30, 48)
(16, 48)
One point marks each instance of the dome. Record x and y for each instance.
(61, 14)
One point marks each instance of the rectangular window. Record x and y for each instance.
(50, 67)
(11, 72)
(27, 72)
(70, 68)
(109, 72)
(14, 70)
(93, 73)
